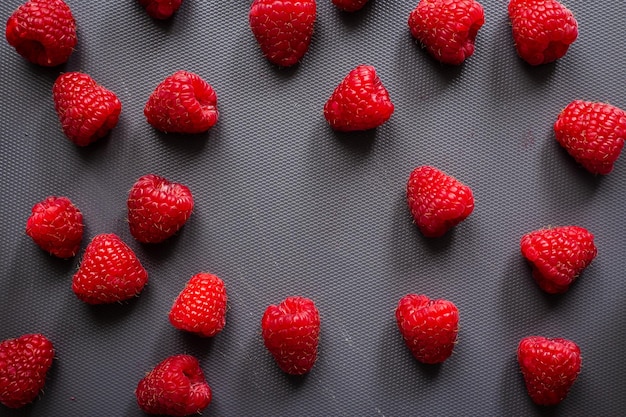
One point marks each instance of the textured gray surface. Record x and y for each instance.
(285, 206)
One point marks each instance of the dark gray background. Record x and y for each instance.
(285, 206)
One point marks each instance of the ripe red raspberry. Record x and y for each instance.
(157, 208)
(43, 32)
(161, 9)
(283, 28)
(549, 367)
(291, 333)
(56, 226)
(182, 103)
(201, 306)
(437, 201)
(592, 133)
(24, 363)
(109, 272)
(359, 102)
(558, 255)
(87, 111)
(350, 5)
(429, 327)
(175, 387)
(543, 30)
(447, 28)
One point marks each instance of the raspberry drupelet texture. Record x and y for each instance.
(161, 9)
(359, 102)
(550, 366)
(592, 133)
(447, 28)
(43, 32)
(291, 334)
(87, 111)
(437, 201)
(56, 226)
(558, 255)
(543, 30)
(182, 103)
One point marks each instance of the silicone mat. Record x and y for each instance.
(285, 206)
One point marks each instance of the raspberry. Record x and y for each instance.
(182, 103)
(447, 28)
(161, 9)
(549, 367)
(558, 255)
(429, 327)
(175, 387)
(543, 30)
(201, 306)
(24, 363)
(291, 334)
(360, 102)
(437, 201)
(283, 28)
(43, 32)
(87, 111)
(157, 208)
(592, 133)
(109, 272)
(56, 226)
(350, 5)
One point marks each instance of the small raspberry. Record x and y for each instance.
(109, 272)
(291, 334)
(558, 255)
(161, 9)
(157, 208)
(447, 28)
(175, 387)
(592, 133)
(201, 306)
(43, 32)
(87, 111)
(24, 364)
(182, 103)
(543, 30)
(56, 225)
(350, 5)
(283, 28)
(359, 102)
(437, 201)
(429, 327)
(550, 366)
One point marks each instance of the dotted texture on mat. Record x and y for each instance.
(285, 206)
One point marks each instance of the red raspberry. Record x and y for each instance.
(43, 32)
(56, 225)
(437, 201)
(549, 366)
(429, 327)
(201, 306)
(182, 103)
(87, 111)
(592, 133)
(447, 28)
(360, 102)
(543, 30)
(350, 5)
(283, 28)
(558, 255)
(109, 272)
(24, 363)
(175, 387)
(157, 208)
(161, 9)
(291, 333)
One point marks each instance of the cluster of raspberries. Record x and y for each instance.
(44, 32)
